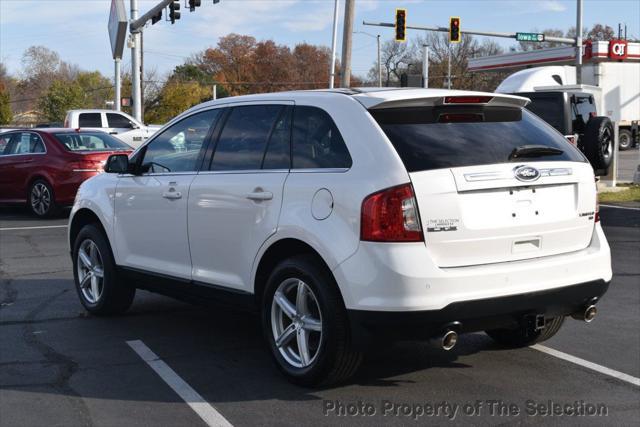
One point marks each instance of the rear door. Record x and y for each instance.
(482, 197)
(20, 157)
(234, 206)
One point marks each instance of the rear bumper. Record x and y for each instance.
(474, 315)
(399, 277)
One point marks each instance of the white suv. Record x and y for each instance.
(348, 215)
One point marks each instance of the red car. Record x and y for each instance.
(44, 167)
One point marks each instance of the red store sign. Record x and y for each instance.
(618, 49)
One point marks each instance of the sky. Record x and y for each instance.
(77, 29)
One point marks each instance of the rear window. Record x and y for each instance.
(444, 137)
(90, 120)
(90, 142)
(550, 110)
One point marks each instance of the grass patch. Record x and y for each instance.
(630, 194)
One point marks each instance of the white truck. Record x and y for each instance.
(116, 123)
(615, 87)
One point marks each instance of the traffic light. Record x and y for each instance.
(193, 4)
(401, 25)
(156, 18)
(454, 30)
(174, 11)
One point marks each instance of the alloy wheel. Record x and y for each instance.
(40, 198)
(90, 271)
(296, 322)
(606, 145)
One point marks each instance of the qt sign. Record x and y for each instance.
(618, 49)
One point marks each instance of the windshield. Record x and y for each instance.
(444, 137)
(90, 141)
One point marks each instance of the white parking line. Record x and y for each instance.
(589, 365)
(32, 228)
(207, 412)
(620, 207)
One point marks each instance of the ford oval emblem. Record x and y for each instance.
(526, 173)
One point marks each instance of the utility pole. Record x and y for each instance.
(334, 42)
(142, 84)
(425, 65)
(579, 42)
(136, 88)
(449, 66)
(379, 63)
(349, 10)
(116, 75)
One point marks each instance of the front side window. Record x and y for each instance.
(24, 143)
(243, 139)
(177, 148)
(119, 121)
(90, 142)
(316, 141)
(90, 120)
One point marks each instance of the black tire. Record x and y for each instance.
(625, 139)
(41, 199)
(525, 336)
(335, 359)
(598, 142)
(114, 296)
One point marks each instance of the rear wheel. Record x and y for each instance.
(526, 335)
(305, 324)
(598, 142)
(625, 139)
(100, 290)
(41, 199)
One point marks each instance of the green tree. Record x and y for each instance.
(60, 97)
(174, 98)
(96, 87)
(5, 106)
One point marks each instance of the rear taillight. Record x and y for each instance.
(391, 215)
(597, 215)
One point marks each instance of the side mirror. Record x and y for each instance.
(117, 163)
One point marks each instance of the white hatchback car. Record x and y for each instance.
(348, 215)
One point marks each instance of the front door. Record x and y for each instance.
(235, 205)
(151, 208)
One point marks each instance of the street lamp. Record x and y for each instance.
(377, 37)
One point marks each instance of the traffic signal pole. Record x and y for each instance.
(136, 86)
(565, 40)
(579, 42)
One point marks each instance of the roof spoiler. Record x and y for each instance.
(493, 100)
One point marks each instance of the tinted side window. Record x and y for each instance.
(243, 139)
(90, 120)
(316, 141)
(278, 154)
(118, 121)
(177, 148)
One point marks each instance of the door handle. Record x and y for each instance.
(260, 195)
(113, 133)
(172, 194)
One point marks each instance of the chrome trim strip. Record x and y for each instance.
(492, 176)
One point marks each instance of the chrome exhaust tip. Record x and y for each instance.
(449, 340)
(587, 315)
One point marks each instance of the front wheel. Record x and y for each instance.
(96, 279)
(526, 335)
(305, 324)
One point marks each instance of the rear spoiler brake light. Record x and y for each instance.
(467, 99)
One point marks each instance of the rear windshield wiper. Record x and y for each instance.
(534, 151)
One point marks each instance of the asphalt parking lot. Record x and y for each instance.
(59, 366)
